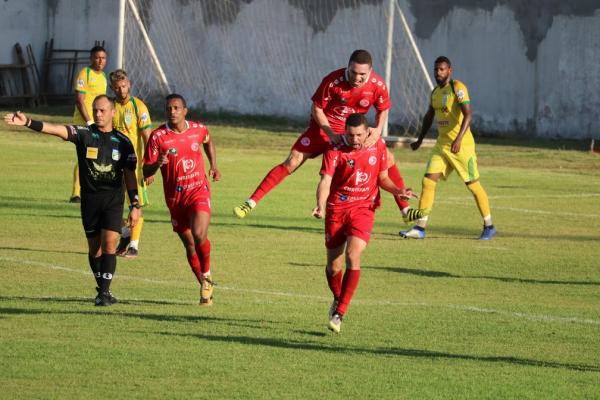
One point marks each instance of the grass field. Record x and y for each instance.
(449, 317)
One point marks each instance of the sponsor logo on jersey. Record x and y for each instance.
(372, 160)
(116, 155)
(351, 163)
(379, 83)
(373, 80)
(128, 118)
(343, 197)
(187, 165)
(91, 153)
(361, 178)
(364, 103)
(305, 141)
(343, 110)
(195, 147)
(114, 139)
(179, 188)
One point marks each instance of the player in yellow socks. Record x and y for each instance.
(90, 82)
(454, 150)
(132, 119)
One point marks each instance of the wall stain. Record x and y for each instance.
(535, 17)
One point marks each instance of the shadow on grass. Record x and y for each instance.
(268, 226)
(442, 274)
(389, 351)
(115, 312)
(42, 250)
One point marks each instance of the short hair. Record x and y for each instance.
(117, 75)
(355, 120)
(103, 96)
(97, 49)
(361, 57)
(442, 59)
(176, 96)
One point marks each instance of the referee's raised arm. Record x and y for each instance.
(19, 118)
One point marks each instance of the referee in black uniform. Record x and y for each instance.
(106, 157)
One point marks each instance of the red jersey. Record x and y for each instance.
(183, 176)
(339, 99)
(354, 175)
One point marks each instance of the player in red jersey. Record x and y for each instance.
(347, 196)
(354, 89)
(175, 148)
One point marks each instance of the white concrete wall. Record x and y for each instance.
(530, 70)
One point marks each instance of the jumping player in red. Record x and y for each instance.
(347, 196)
(175, 148)
(354, 89)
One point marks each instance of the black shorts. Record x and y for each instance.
(102, 210)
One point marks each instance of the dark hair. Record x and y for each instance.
(443, 59)
(103, 96)
(361, 57)
(356, 119)
(176, 96)
(97, 49)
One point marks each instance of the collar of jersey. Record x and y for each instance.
(187, 126)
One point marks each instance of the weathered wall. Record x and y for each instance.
(531, 66)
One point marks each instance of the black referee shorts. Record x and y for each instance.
(102, 210)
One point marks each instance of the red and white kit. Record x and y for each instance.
(185, 183)
(354, 192)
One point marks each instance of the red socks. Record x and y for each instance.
(203, 251)
(272, 179)
(349, 285)
(335, 283)
(194, 262)
(394, 174)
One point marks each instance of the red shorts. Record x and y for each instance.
(181, 214)
(339, 225)
(313, 141)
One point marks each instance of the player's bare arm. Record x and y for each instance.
(150, 169)
(20, 119)
(427, 121)
(381, 118)
(322, 193)
(321, 119)
(131, 185)
(80, 104)
(464, 126)
(211, 153)
(386, 184)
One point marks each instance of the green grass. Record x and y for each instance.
(448, 317)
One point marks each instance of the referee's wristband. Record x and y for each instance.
(35, 125)
(133, 196)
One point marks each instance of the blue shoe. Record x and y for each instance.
(488, 232)
(416, 232)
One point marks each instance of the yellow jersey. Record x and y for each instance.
(91, 84)
(131, 119)
(446, 103)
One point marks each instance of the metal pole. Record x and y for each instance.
(121, 34)
(388, 56)
(166, 89)
(414, 46)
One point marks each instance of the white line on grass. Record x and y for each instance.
(462, 307)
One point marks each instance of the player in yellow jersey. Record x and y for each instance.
(454, 150)
(132, 119)
(90, 82)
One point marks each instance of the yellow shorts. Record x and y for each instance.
(442, 160)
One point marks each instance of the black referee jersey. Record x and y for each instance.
(102, 156)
